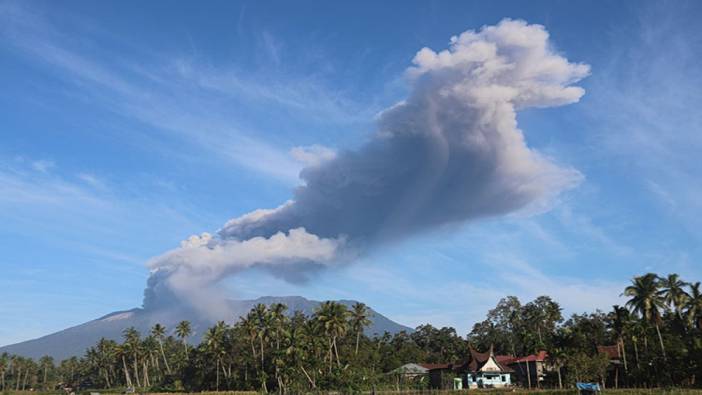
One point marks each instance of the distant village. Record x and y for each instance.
(487, 370)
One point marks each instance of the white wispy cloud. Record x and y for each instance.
(178, 97)
(80, 212)
(646, 111)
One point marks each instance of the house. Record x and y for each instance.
(615, 364)
(410, 373)
(481, 370)
(530, 370)
(612, 353)
(485, 371)
(410, 370)
(441, 375)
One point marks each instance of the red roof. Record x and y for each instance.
(505, 359)
(540, 357)
(473, 364)
(611, 351)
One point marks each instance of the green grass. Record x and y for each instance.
(516, 391)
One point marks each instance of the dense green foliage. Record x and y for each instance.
(658, 333)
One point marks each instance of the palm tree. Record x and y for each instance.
(694, 306)
(557, 357)
(158, 332)
(183, 331)
(637, 333)
(132, 342)
(105, 356)
(213, 345)
(4, 362)
(360, 318)
(277, 322)
(647, 301)
(262, 320)
(298, 344)
(332, 316)
(674, 293)
(122, 351)
(248, 325)
(46, 363)
(619, 325)
(278, 319)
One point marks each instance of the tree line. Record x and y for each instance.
(658, 334)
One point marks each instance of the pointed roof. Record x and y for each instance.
(479, 360)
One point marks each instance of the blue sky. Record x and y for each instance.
(125, 128)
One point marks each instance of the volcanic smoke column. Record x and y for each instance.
(451, 152)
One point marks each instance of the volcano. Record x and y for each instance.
(75, 340)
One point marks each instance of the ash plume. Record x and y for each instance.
(451, 152)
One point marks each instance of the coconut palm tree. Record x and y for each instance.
(694, 306)
(557, 358)
(248, 325)
(278, 321)
(262, 320)
(647, 301)
(106, 354)
(332, 316)
(4, 362)
(298, 343)
(360, 319)
(183, 331)
(620, 322)
(213, 345)
(122, 351)
(46, 363)
(132, 342)
(674, 293)
(158, 331)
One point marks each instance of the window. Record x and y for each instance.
(504, 378)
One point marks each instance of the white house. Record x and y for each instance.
(485, 372)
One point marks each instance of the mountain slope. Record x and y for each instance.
(75, 340)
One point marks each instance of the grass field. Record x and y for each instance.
(634, 391)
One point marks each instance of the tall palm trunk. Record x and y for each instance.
(528, 374)
(136, 371)
(560, 382)
(623, 346)
(331, 356)
(147, 382)
(358, 338)
(263, 367)
(126, 372)
(336, 352)
(26, 377)
(217, 369)
(262, 357)
(660, 339)
(163, 354)
(107, 378)
(312, 383)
